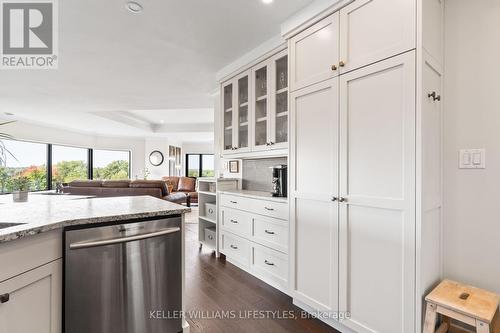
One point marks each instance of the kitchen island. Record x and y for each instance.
(31, 250)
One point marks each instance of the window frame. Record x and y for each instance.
(200, 170)
(90, 160)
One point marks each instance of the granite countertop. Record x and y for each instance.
(255, 194)
(43, 213)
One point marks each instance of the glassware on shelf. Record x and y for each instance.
(282, 80)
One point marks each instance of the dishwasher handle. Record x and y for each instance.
(84, 245)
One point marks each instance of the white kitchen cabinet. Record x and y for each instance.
(270, 103)
(373, 30)
(370, 139)
(314, 216)
(314, 53)
(361, 33)
(377, 190)
(278, 132)
(254, 109)
(34, 301)
(236, 114)
(228, 117)
(432, 30)
(261, 105)
(254, 236)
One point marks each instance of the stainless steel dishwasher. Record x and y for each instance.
(115, 275)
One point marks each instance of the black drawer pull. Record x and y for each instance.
(269, 232)
(268, 263)
(270, 209)
(233, 202)
(234, 221)
(234, 247)
(4, 298)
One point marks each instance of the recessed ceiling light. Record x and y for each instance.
(162, 121)
(267, 1)
(134, 7)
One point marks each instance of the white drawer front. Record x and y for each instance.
(269, 208)
(237, 222)
(236, 202)
(235, 248)
(271, 232)
(271, 266)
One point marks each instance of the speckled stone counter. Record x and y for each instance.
(43, 213)
(255, 195)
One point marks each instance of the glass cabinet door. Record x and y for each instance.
(261, 106)
(228, 116)
(280, 114)
(243, 114)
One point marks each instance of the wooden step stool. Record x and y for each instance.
(469, 305)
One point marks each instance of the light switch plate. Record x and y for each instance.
(472, 159)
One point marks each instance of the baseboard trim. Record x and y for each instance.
(330, 322)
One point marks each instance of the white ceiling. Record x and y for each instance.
(121, 73)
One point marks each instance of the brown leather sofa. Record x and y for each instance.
(185, 185)
(120, 188)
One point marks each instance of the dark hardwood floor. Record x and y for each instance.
(215, 287)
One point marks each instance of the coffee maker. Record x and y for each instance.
(279, 180)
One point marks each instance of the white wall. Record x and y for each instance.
(472, 120)
(31, 132)
(198, 148)
(160, 144)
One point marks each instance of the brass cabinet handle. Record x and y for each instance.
(334, 68)
(341, 63)
(268, 263)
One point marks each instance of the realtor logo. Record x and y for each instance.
(29, 34)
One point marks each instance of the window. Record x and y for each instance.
(68, 164)
(110, 164)
(45, 165)
(200, 165)
(25, 159)
(207, 166)
(193, 165)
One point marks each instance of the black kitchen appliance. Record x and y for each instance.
(280, 188)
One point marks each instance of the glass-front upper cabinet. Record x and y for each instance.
(279, 103)
(261, 106)
(243, 116)
(255, 108)
(227, 108)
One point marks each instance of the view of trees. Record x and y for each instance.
(62, 172)
(37, 176)
(115, 170)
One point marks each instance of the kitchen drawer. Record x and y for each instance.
(270, 265)
(233, 201)
(25, 254)
(237, 222)
(271, 232)
(236, 249)
(274, 209)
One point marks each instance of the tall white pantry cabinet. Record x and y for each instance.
(366, 162)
